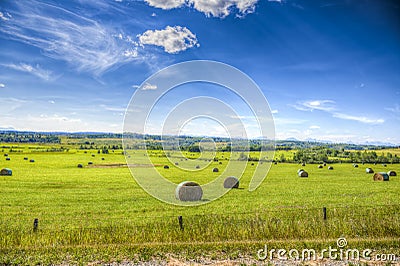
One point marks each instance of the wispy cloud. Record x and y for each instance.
(34, 70)
(361, 119)
(322, 105)
(314, 127)
(395, 110)
(274, 111)
(5, 16)
(2, 85)
(64, 35)
(148, 86)
(215, 8)
(172, 39)
(329, 107)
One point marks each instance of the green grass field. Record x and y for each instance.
(101, 214)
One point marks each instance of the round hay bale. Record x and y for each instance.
(102, 159)
(330, 168)
(31, 161)
(381, 176)
(303, 164)
(8, 159)
(275, 163)
(215, 170)
(252, 163)
(25, 158)
(5, 154)
(299, 170)
(6, 172)
(220, 162)
(231, 182)
(166, 167)
(303, 174)
(80, 166)
(176, 163)
(324, 164)
(384, 165)
(197, 166)
(188, 191)
(93, 155)
(355, 165)
(392, 173)
(369, 170)
(90, 163)
(320, 166)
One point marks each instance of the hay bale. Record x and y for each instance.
(303, 174)
(330, 168)
(381, 176)
(384, 165)
(355, 165)
(176, 163)
(252, 163)
(220, 162)
(188, 191)
(275, 163)
(80, 166)
(8, 159)
(231, 182)
(93, 155)
(102, 159)
(197, 166)
(320, 166)
(26, 158)
(166, 167)
(303, 164)
(299, 170)
(324, 164)
(90, 163)
(369, 170)
(392, 173)
(5, 154)
(6, 172)
(31, 160)
(215, 170)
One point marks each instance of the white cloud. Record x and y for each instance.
(5, 16)
(395, 109)
(34, 70)
(64, 35)
(148, 86)
(52, 102)
(172, 39)
(2, 85)
(153, 14)
(215, 8)
(361, 119)
(274, 111)
(314, 127)
(322, 105)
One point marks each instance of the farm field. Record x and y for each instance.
(99, 213)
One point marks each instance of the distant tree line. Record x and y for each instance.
(28, 137)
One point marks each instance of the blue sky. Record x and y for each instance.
(329, 69)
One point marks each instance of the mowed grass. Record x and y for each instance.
(94, 213)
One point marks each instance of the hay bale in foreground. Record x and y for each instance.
(324, 164)
(31, 161)
(6, 172)
(8, 159)
(303, 174)
(369, 170)
(381, 176)
(231, 182)
(215, 170)
(392, 173)
(166, 167)
(188, 191)
(80, 166)
(330, 168)
(355, 165)
(299, 170)
(320, 166)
